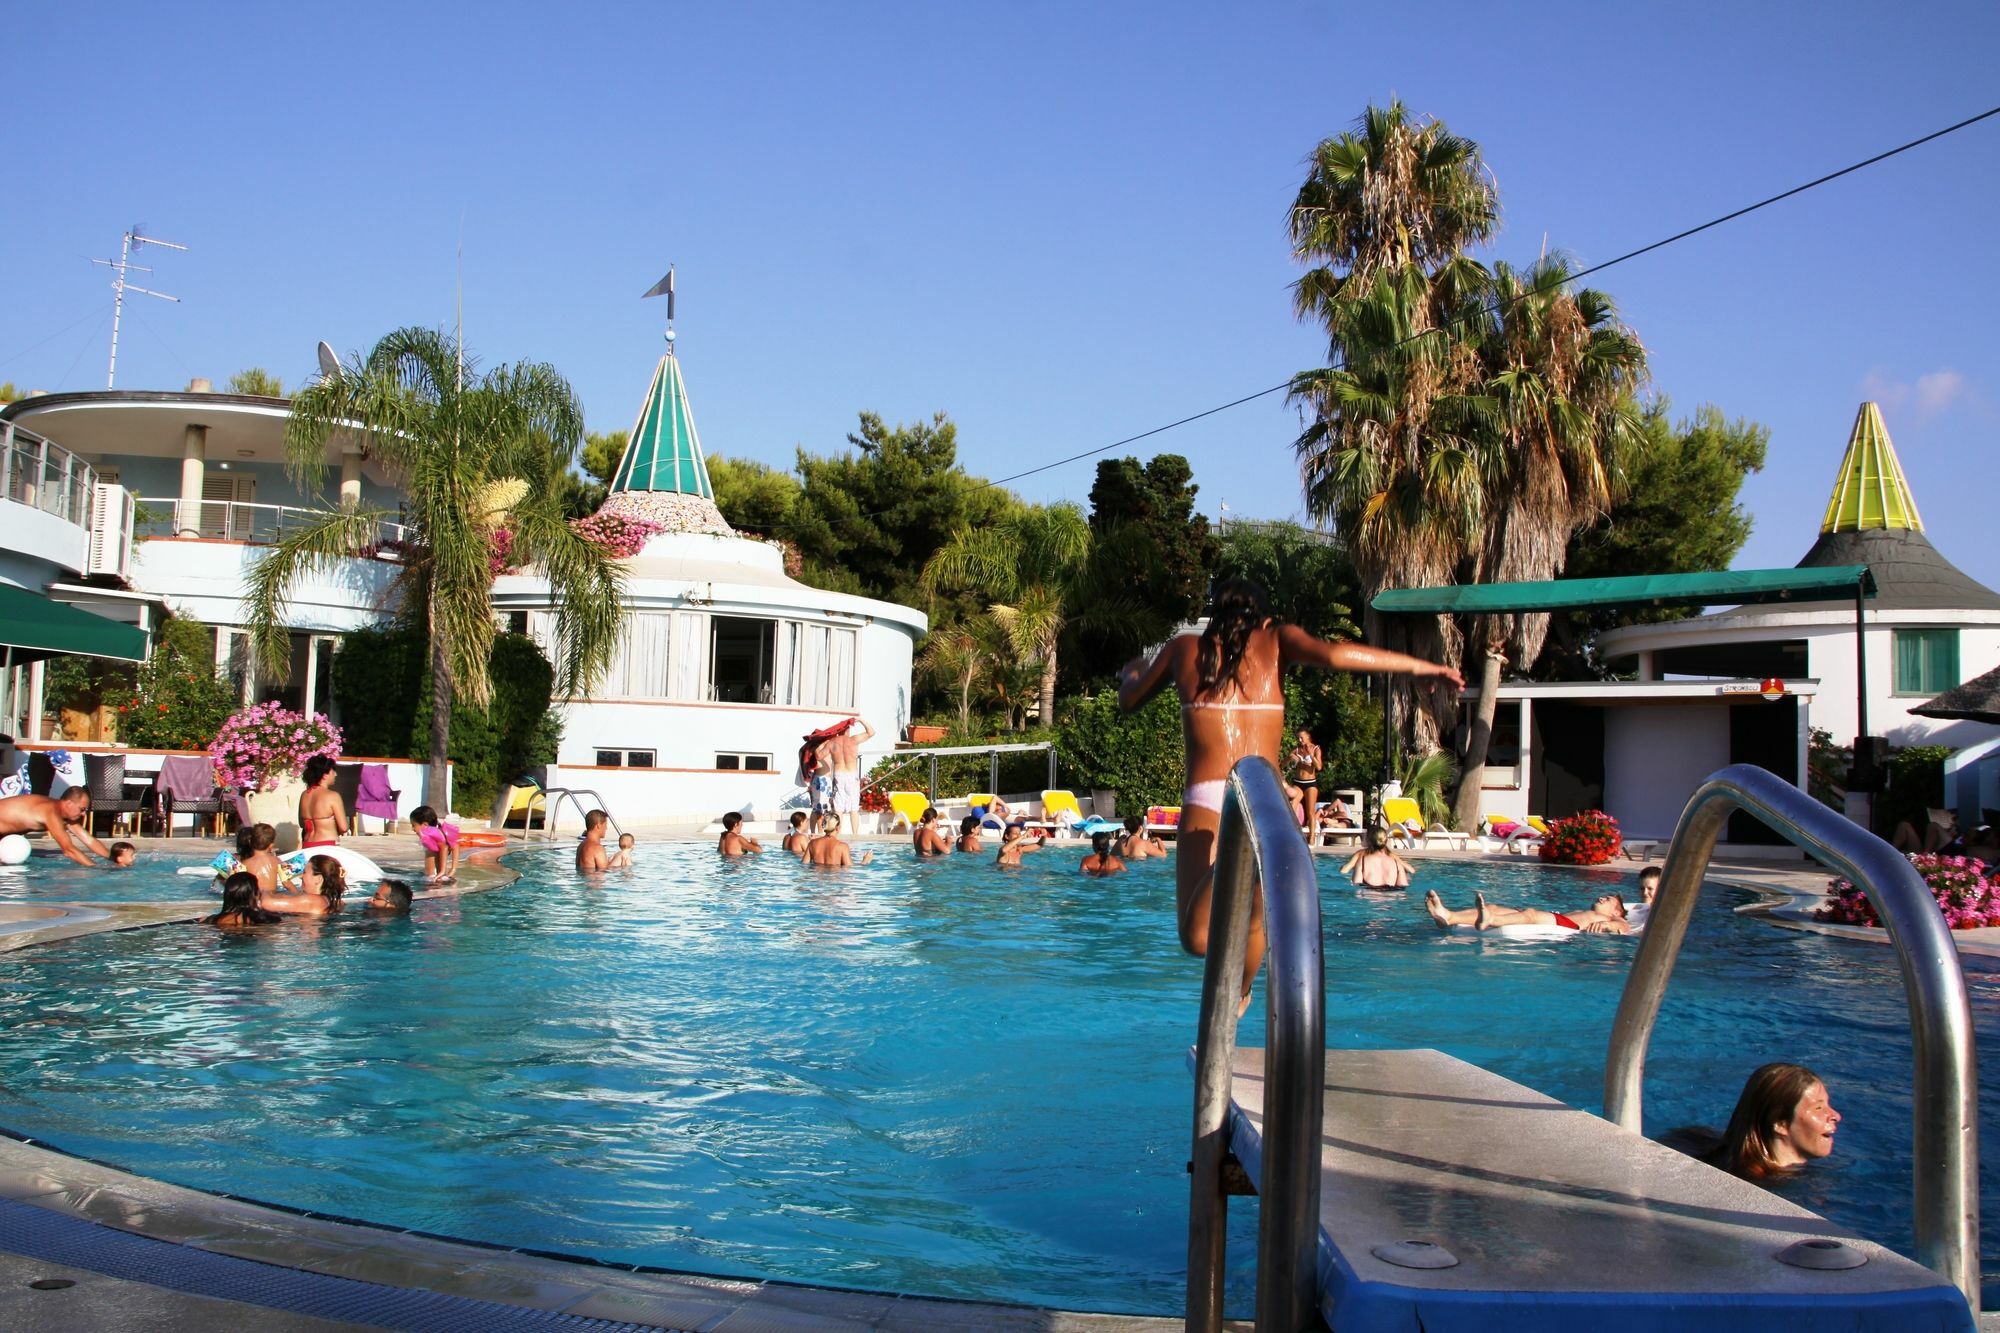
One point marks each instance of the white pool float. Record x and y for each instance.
(1523, 932)
(357, 866)
(14, 849)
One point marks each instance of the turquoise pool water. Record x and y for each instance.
(151, 878)
(939, 1078)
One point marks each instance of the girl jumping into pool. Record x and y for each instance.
(1231, 682)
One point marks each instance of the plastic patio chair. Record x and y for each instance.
(374, 797)
(909, 806)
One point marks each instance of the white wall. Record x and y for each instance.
(205, 580)
(1830, 657)
(1654, 757)
(43, 538)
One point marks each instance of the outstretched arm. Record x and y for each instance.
(1139, 680)
(1297, 646)
(866, 730)
(67, 838)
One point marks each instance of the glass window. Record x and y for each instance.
(1926, 661)
(638, 759)
(611, 759)
(740, 660)
(729, 762)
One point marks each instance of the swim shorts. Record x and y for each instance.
(846, 793)
(822, 791)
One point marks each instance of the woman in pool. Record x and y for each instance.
(240, 904)
(1782, 1121)
(968, 835)
(1102, 859)
(1231, 682)
(1605, 916)
(927, 840)
(1378, 867)
(321, 887)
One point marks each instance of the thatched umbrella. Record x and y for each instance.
(1978, 700)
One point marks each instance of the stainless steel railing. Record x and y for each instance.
(40, 473)
(243, 521)
(1945, 1113)
(1260, 842)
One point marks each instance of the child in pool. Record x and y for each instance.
(440, 842)
(622, 858)
(123, 854)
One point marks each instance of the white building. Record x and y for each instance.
(1637, 748)
(726, 662)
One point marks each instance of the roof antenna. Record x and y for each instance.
(134, 238)
(665, 287)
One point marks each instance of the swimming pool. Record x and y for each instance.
(942, 1078)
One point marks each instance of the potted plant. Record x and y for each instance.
(261, 750)
(925, 734)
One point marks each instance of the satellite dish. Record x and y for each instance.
(329, 363)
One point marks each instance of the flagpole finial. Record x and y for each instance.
(665, 287)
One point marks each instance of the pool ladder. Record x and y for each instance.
(1259, 842)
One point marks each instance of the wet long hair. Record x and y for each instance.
(1236, 607)
(241, 902)
(332, 880)
(1771, 1095)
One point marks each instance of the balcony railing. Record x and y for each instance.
(37, 472)
(253, 524)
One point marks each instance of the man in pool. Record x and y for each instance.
(590, 853)
(391, 895)
(732, 843)
(828, 850)
(63, 818)
(1136, 844)
(1606, 916)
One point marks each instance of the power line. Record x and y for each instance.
(1745, 211)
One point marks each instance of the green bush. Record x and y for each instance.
(382, 684)
(176, 702)
(1346, 725)
(1138, 755)
(1916, 785)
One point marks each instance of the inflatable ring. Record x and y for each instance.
(481, 838)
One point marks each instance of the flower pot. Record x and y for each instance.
(1104, 804)
(279, 807)
(925, 735)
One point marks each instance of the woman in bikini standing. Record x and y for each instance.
(1305, 761)
(1231, 682)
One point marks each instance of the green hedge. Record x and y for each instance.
(176, 702)
(382, 682)
(1138, 755)
(961, 773)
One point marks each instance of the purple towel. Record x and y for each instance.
(187, 777)
(374, 796)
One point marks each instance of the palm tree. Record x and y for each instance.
(1032, 564)
(1561, 374)
(1384, 217)
(954, 655)
(473, 452)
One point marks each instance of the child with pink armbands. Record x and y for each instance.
(440, 842)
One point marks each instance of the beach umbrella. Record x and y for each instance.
(1978, 700)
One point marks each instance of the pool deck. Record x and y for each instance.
(112, 1237)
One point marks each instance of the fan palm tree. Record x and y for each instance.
(955, 655)
(1033, 565)
(1384, 217)
(1561, 374)
(472, 452)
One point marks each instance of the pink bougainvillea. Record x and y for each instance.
(1965, 893)
(1587, 838)
(620, 535)
(501, 558)
(268, 743)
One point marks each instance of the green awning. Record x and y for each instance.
(33, 626)
(1729, 587)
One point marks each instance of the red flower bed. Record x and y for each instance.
(1965, 893)
(1588, 838)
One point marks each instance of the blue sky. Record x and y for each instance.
(1062, 224)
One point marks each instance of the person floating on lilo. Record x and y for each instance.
(1605, 916)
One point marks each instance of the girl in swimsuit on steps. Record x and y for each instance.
(1231, 682)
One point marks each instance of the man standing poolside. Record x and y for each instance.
(62, 818)
(843, 759)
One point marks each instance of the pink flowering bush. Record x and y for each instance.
(268, 743)
(621, 535)
(502, 558)
(1967, 896)
(1587, 838)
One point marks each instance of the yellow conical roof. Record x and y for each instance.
(1870, 491)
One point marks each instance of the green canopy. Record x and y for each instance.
(1730, 587)
(33, 626)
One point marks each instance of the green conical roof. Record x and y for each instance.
(1870, 492)
(664, 453)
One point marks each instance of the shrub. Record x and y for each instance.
(621, 535)
(176, 702)
(1345, 722)
(1138, 755)
(1588, 838)
(1916, 784)
(266, 744)
(1967, 896)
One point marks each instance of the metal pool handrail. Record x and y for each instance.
(1945, 1113)
(1259, 841)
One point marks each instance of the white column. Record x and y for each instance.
(350, 476)
(34, 701)
(194, 455)
(1648, 670)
